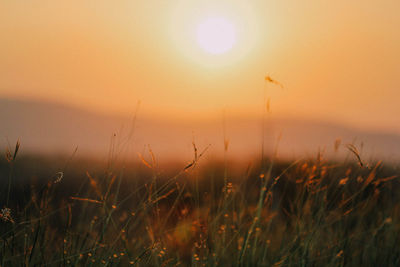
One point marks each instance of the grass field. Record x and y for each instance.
(310, 212)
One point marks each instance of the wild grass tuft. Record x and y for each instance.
(309, 212)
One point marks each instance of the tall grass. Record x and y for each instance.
(304, 213)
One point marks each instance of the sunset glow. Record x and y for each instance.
(192, 58)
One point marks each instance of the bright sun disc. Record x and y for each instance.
(216, 35)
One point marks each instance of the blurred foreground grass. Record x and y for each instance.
(304, 213)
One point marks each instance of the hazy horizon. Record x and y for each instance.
(50, 128)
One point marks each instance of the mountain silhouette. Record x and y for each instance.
(49, 128)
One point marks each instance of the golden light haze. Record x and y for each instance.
(339, 61)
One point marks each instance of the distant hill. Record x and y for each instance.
(52, 128)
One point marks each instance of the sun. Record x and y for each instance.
(216, 35)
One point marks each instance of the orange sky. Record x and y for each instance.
(339, 60)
